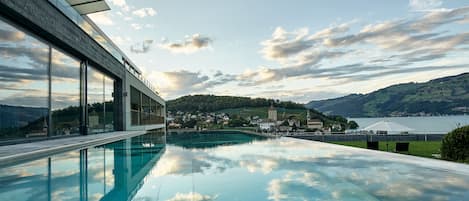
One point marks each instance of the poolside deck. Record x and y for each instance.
(13, 154)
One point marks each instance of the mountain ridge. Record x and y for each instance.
(441, 96)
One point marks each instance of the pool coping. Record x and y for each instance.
(17, 153)
(267, 135)
(432, 163)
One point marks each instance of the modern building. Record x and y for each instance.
(60, 75)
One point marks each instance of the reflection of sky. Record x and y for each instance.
(288, 169)
(65, 80)
(274, 169)
(23, 68)
(23, 71)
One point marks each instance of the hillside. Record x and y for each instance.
(212, 103)
(442, 96)
(246, 107)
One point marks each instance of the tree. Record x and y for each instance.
(237, 122)
(189, 124)
(352, 125)
(455, 145)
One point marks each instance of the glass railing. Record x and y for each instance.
(94, 32)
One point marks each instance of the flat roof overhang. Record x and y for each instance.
(85, 7)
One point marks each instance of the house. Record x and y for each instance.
(314, 124)
(267, 125)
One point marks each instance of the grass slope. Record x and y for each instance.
(416, 148)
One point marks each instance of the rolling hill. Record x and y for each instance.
(248, 107)
(442, 96)
(212, 103)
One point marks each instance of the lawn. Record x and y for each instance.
(416, 148)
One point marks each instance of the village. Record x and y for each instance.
(274, 123)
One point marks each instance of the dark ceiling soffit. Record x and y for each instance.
(90, 6)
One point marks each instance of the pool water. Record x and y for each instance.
(232, 166)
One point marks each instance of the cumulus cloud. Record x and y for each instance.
(144, 12)
(190, 44)
(141, 47)
(284, 44)
(187, 82)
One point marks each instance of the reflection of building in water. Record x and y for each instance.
(110, 172)
(58, 68)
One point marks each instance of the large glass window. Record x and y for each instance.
(24, 84)
(41, 90)
(65, 99)
(145, 114)
(109, 104)
(135, 106)
(100, 101)
(144, 110)
(95, 98)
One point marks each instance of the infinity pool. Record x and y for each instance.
(231, 166)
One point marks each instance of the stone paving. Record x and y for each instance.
(12, 154)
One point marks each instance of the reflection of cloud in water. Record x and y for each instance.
(192, 197)
(179, 161)
(301, 170)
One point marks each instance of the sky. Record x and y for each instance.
(289, 50)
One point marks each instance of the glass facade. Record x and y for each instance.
(65, 94)
(24, 84)
(42, 90)
(144, 110)
(100, 101)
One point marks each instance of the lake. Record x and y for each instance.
(421, 125)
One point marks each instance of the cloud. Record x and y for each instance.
(144, 12)
(302, 55)
(187, 82)
(142, 47)
(284, 44)
(191, 44)
(101, 18)
(421, 5)
(10, 35)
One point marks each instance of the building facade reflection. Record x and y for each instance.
(114, 171)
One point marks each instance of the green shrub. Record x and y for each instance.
(455, 145)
